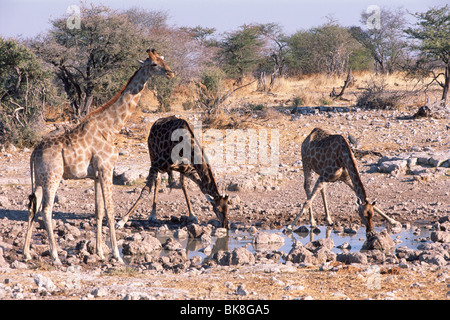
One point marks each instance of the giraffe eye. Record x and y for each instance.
(153, 64)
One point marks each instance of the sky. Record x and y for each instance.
(28, 18)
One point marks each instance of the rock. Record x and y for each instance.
(241, 256)
(344, 246)
(241, 290)
(440, 236)
(195, 230)
(18, 265)
(99, 292)
(316, 252)
(266, 237)
(3, 263)
(4, 202)
(392, 166)
(299, 254)
(433, 257)
(351, 257)
(44, 284)
(380, 241)
(172, 244)
(321, 243)
(127, 176)
(302, 229)
(238, 256)
(180, 234)
(148, 244)
(137, 296)
(353, 228)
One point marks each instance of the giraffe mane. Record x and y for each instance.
(110, 102)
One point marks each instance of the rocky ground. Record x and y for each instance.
(410, 181)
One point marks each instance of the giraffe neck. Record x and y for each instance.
(350, 164)
(208, 183)
(113, 116)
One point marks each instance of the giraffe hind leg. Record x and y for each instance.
(34, 207)
(188, 201)
(319, 185)
(152, 216)
(325, 206)
(144, 192)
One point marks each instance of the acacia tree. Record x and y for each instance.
(25, 90)
(432, 42)
(92, 61)
(324, 49)
(240, 51)
(385, 41)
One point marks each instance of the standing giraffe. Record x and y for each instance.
(87, 151)
(332, 159)
(162, 146)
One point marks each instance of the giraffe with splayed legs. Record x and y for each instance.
(162, 146)
(331, 157)
(87, 151)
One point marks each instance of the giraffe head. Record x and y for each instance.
(365, 211)
(220, 208)
(156, 64)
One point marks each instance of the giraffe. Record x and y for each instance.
(165, 158)
(331, 157)
(87, 151)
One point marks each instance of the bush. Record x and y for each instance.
(163, 89)
(376, 96)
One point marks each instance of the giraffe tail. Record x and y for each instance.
(35, 198)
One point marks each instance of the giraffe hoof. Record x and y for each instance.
(289, 228)
(120, 224)
(57, 262)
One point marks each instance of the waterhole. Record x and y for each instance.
(353, 242)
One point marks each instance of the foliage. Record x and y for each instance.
(433, 45)
(376, 95)
(25, 88)
(163, 89)
(241, 51)
(328, 49)
(385, 42)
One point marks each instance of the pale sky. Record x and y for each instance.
(28, 18)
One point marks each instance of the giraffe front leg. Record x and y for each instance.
(191, 218)
(319, 185)
(99, 213)
(105, 177)
(325, 205)
(47, 206)
(35, 203)
(152, 216)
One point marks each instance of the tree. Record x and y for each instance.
(431, 33)
(241, 51)
(324, 49)
(385, 41)
(25, 88)
(92, 61)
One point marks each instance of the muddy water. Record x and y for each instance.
(410, 237)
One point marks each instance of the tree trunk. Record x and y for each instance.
(446, 84)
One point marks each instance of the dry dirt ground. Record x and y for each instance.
(261, 200)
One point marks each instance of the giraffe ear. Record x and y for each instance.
(140, 62)
(162, 57)
(209, 198)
